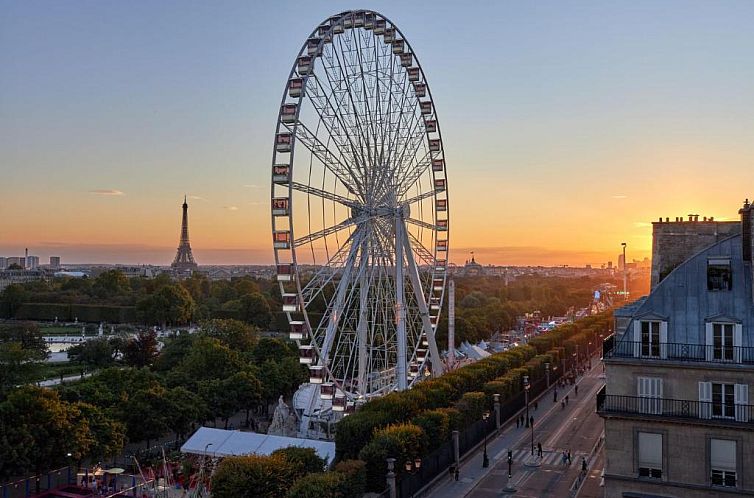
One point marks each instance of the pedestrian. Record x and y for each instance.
(539, 450)
(583, 465)
(576, 389)
(555, 396)
(566, 400)
(531, 421)
(518, 422)
(569, 457)
(522, 420)
(562, 404)
(564, 457)
(536, 405)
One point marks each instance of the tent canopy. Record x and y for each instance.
(212, 442)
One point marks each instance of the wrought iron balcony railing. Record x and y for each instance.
(674, 351)
(674, 408)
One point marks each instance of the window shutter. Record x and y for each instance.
(741, 400)
(663, 340)
(637, 338)
(722, 454)
(708, 341)
(650, 450)
(737, 342)
(705, 400)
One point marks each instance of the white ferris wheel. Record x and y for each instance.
(359, 212)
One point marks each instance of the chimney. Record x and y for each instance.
(746, 230)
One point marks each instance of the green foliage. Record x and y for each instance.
(141, 350)
(354, 484)
(355, 431)
(435, 424)
(22, 348)
(97, 352)
(404, 442)
(253, 477)
(233, 333)
(471, 406)
(171, 304)
(321, 485)
(304, 460)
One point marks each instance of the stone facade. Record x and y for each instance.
(673, 242)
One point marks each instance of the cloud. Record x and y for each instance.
(107, 191)
(620, 196)
(251, 185)
(196, 198)
(231, 208)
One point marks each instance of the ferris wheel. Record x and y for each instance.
(360, 212)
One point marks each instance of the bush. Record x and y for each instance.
(253, 477)
(435, 424)
(472, 405)
(354, 484)
(355, 431)
(320, 485)
(304, 460)
(403, 442)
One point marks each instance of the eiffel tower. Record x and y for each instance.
(184, 260)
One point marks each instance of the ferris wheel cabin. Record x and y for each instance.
(435, 145)
(389, 35)
(316, 374)
(283, 142)
(290, 303)
(295, 87)
(442, 226)
(306, 355)
(430, 125)
(312, 46)
(426, 107)
(439, 185)
(398, 47)
(438, 165)
(379, 26)
(288, 113)
(280, 206)
(339, 402)
(298, 332)
(304, 65)
(420, 89)
(414, 74)
(285, 273)
(281, 239)
(281, 173)
(327, 390)
(407, 59)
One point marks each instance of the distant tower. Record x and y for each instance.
(184, 260)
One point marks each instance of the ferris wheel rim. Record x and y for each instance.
(340, 20)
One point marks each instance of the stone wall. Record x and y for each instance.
(673, 242)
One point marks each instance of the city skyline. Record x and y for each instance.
(558, 148)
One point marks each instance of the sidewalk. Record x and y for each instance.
(510, 437)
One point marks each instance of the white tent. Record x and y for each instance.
(221, 443)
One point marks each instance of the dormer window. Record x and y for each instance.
(719, 275)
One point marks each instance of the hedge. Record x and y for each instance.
(461, 395)
(93, 313)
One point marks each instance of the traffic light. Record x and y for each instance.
(510, 457)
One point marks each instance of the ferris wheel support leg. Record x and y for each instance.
(362, 325)
(337, 310)
(400, 305)
(413, 272)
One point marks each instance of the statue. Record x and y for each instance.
(283, 420)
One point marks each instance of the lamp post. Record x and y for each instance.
(485, 458)
(412, 467)
(527, 386)
(391, 477)
(625, 274)
(547, 373)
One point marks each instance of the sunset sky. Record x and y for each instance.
(568, 126)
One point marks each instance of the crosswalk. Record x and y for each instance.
(549, 457)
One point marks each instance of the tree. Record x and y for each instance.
(22, 347)
(108, 435)
(304, 460)
(321, 485)
(174, 352)
(15, 266)
(254, 309)
(233, 333)
(110, 283)
(38, 430)
(248, 391)
(141, 350)
(272, 349)
(219, 397)
(182, 409)
(98, 352)
(171, 304)
(144, 414)
(209, 359)
(252, 477)
(15, 295)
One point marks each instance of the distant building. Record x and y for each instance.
(54, 262)
(32, 262)
(3, 262)
(8, 277)
(472, 268)
(16, 260)
(680, 368)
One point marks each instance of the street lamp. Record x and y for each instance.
(625, 274)
(547, 373)
(413, 467)
(485, 458)
(527, 386)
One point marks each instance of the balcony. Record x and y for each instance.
(673, 351)
(717, 413)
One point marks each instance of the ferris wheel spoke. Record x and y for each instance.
(324, 194)
(424, 254)
(422, 165)
(421, 223)
(328, 231)
(327, 272)
(328, 158)
(418, 198)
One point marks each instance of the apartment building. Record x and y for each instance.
(680, 369)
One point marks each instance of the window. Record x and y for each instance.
(649, 389)
(719, 275)
(650, 339)
(650, 455)
(722, 462)
(722, 341)
(723, 400)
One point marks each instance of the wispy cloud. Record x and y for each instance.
(620, 196)
(107, 191)
(197, 198)
(231, 208)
